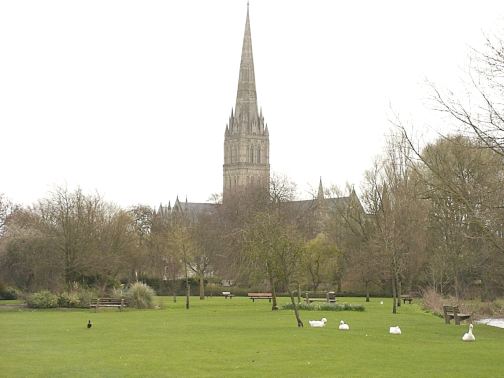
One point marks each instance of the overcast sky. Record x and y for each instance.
(131, 98)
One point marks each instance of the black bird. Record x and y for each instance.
(89, 324)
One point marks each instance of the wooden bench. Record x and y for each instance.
(330, 297)
(227, 294)
(452, 312)
(407, 297)
(255, 296)
(108, 302)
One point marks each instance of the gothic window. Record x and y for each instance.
(259, 155)
(251, 154)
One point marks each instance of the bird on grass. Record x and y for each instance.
(89, 324)
(395, 330)
(469, 335)
(318, 323)
(343, 326)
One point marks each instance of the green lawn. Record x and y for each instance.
(223, 338)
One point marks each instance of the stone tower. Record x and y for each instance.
(246, 139)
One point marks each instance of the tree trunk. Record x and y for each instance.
(456, 284)
(296, 312)
(201, 286)
(174, 291)
(434, 281)
(188, 289)
(68, 276)
(399, 291)
(273, 292)
(367, 291)
(394, 295)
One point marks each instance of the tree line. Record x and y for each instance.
(426, 217)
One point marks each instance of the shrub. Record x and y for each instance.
(7, 292)
(326, 307)
(70, 299)
(140, 295)
(42, 299)
(85, 296)
(433, 302)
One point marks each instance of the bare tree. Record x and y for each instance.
(27, 258)
(116, 245)
(354, 229)
(182, 241)
(320, 258)
(276, 246)
(207, 241)
(72, 219)
(165, 260)
(480, 110)
(393, 199)
(6, 208)
(463, 184)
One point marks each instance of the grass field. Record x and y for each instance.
(238, 338)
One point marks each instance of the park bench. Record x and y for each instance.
(330, 297)
(255, 296)
(227, 294)
(108, 302)
(452, 312)
(407, 297)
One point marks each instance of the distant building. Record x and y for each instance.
(246, 151)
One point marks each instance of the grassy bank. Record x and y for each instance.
(236, 337)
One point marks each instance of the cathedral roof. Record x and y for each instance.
(189, 208)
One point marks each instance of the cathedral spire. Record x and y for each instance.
(320, 194)
(246, 139)
(246, 97)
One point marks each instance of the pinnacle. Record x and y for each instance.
(246, 97)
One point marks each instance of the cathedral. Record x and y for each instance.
(246, 147)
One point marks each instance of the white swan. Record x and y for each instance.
(318, 323)
(395, 330)
(343, 326)
(469, 335)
